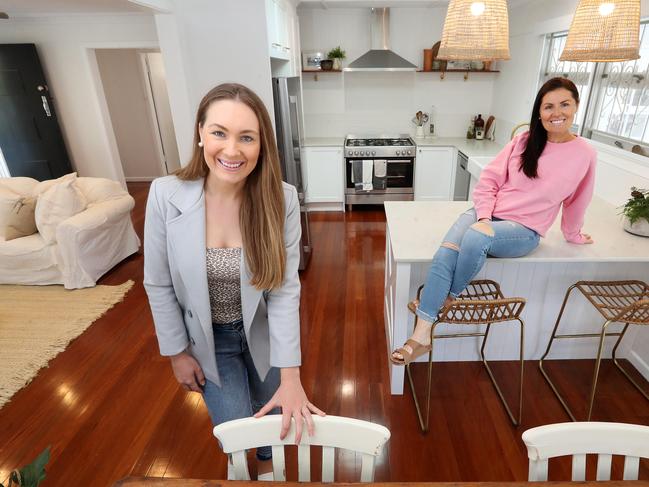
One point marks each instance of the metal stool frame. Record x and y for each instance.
(618, 302)
(481, 303)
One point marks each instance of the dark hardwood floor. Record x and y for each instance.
(110, 407)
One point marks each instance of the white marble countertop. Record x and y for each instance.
(417, 228)
(324, 142)
(469, 147)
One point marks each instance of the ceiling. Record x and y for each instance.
(26, 8)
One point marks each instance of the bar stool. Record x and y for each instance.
(481, 303)
(618, 302)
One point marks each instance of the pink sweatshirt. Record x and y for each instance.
(566, 175)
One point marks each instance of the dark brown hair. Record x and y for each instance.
(262, 207)
(538, 136)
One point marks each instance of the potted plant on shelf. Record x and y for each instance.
(636, 212)
(337, 55)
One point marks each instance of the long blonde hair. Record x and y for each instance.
(262, 207)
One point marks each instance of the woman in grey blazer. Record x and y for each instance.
(221, 252)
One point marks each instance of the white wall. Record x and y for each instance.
(64, 45)
(205, 43)
(123, 82)
(360, 102)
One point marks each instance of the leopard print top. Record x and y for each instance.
(224, 284)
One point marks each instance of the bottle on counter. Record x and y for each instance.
(470, 132)
(479, 127)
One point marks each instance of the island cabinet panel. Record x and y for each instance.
(324, 181)
(434, 173)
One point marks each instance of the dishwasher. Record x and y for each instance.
(462, 178)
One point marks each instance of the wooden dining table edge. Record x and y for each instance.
(169, 482)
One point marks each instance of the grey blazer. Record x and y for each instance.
(175, 279)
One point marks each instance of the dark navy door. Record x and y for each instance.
(30, 137)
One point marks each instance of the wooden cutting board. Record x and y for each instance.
(490, 121)
(436, 49)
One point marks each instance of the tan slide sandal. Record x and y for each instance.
(417, 348)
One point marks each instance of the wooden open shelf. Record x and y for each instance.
(459, 71)
(316, 71)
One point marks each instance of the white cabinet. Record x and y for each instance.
(472, 184)
(280, 19)
(434, 173)
(325, 180)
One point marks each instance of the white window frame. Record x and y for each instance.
(591, 94)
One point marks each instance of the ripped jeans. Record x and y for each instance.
(453, 268)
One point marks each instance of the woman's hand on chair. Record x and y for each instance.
(290, 396)
(188, 372)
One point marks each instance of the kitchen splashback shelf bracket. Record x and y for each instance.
(466, 72)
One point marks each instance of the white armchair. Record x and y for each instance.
(87, 245)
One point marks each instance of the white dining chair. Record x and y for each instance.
(581, 438)
(331, 432)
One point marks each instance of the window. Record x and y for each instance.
(614, 97)
(580, 74)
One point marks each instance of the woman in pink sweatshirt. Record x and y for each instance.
(517, 199)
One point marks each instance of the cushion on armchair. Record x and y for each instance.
(56, 204)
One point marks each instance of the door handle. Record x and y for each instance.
(46, 106)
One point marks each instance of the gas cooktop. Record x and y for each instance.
(379, 146)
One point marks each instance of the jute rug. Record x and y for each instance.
(38, 322)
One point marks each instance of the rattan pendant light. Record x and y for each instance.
(475, 30)
(604, 30)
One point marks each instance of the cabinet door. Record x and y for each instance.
(434, 173)
(277, 20)
(325, 178)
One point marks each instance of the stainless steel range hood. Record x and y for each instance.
(380, 57)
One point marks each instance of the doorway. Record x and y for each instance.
(135, 92)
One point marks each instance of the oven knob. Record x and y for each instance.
(355, 152)
(398, 152)
(409, 152)
(349, 153)
(362, 153)
(373, 152)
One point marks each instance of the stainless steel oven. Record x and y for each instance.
(379, 169)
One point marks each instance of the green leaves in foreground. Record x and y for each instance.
(31, 474)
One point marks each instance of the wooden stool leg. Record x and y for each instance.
(626, 374)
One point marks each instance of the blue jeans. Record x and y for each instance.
(452, 270)
(242, 392)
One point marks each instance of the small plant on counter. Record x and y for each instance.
(31, 474)
(637, 206)
(336, 53)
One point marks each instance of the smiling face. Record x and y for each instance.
(557, 112)
(231, 141)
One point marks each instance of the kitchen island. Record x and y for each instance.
(414, 232)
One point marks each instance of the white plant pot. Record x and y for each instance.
(640, 227)
(338, 64)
